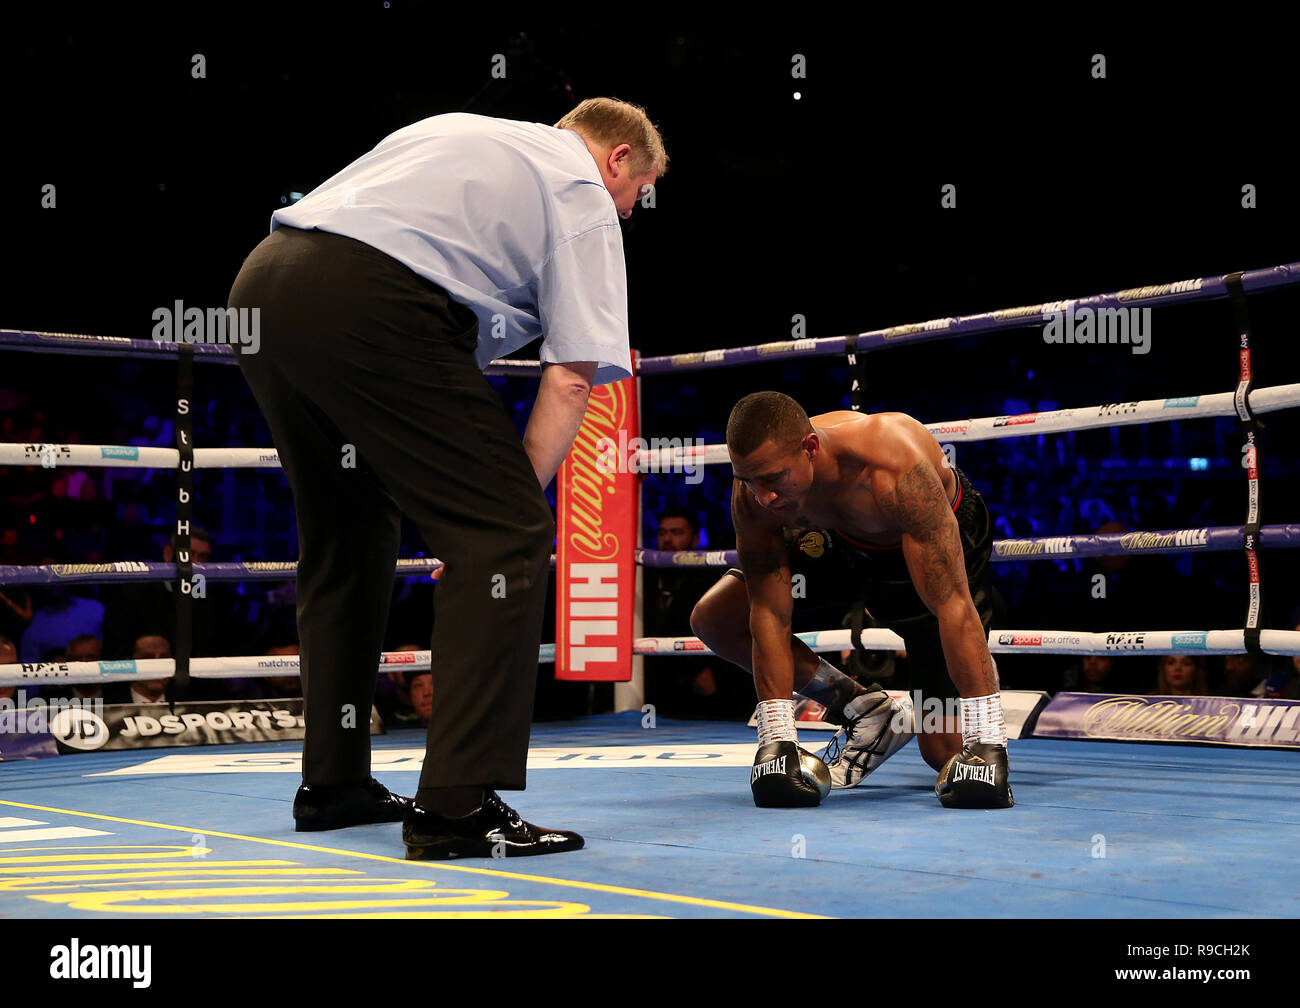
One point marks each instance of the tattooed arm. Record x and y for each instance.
(912, 496)
(765, 560)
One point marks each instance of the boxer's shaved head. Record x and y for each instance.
(766, 416)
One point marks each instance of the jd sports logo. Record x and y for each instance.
(968, 771)
(79, 728)
(772, 766)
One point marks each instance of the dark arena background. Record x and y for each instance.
(826, 180)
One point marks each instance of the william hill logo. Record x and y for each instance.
(1035, 547)
(1181, 539)
(1210, 719)
(594, 518)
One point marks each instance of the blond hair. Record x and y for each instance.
(610, 122)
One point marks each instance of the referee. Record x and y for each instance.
(382, 295)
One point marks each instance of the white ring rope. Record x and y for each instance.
(134, 457)
(1262, 400)
(1065, 642)
(244, 667)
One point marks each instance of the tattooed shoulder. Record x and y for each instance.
(917, 503)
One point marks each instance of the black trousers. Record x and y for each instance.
(366, 375)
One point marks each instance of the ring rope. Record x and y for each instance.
(1262, 400)
(1064, 642)
(1202, 289)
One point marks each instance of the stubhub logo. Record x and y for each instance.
(1191, 640)
(119, 452)
(111, 667)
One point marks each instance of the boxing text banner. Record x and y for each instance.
(152, 726)
(595, 572)
(1265, 723)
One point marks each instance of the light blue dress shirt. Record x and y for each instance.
(510, 218)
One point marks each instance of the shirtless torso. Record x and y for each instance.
(866, 452)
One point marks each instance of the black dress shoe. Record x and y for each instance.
(494, 829)
(326, 808)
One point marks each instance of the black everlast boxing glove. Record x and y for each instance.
(976, 778)
(785, 776)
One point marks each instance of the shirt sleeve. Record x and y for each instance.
(582, 300)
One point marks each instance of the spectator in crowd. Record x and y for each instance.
(1093, 673)
(1243, 676)
(149, 609)
(393, 697)
(143, 691)
(420, 683)
(8, 656)
(1180, 675)
(678, 530)
(86, 648)
(283, 687)
(671, 592)
(59, 617)
(1284, 683)
(687, 687)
